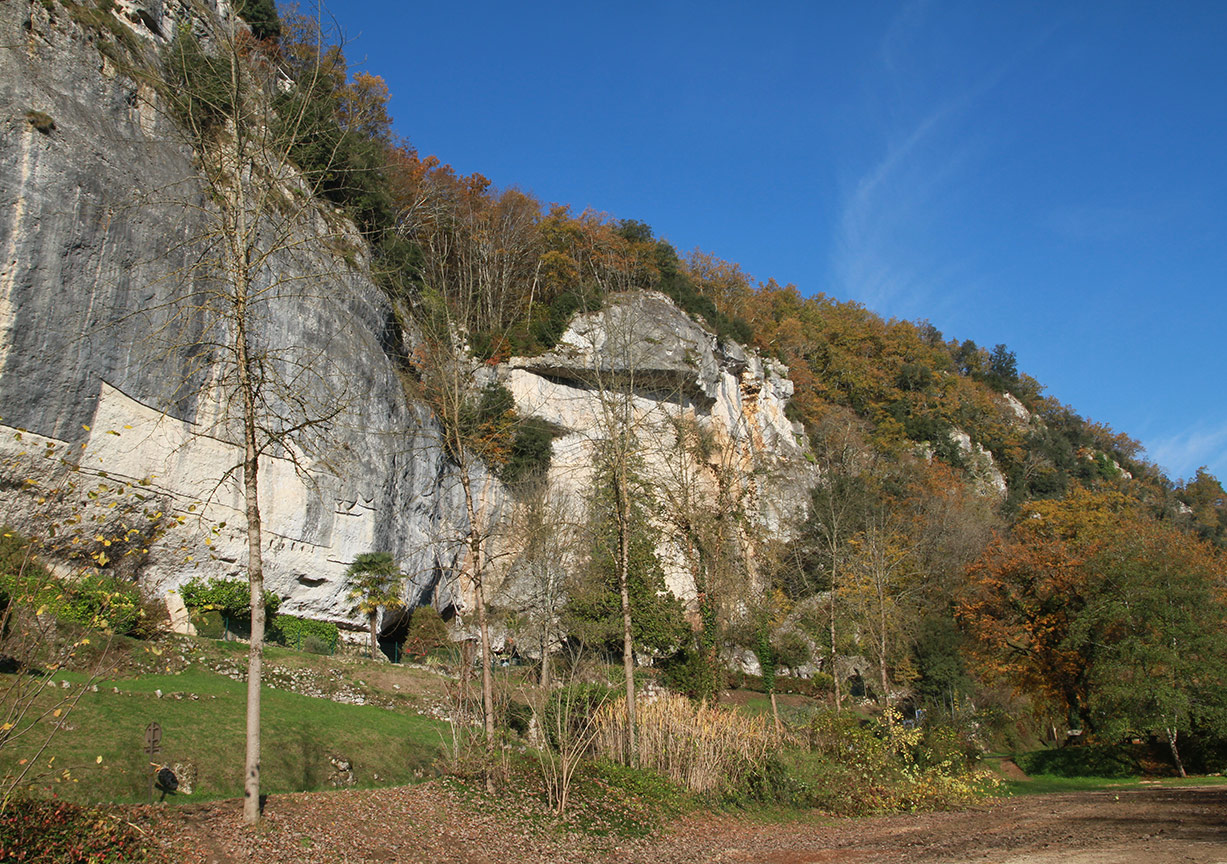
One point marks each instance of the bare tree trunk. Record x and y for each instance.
(628, 645)
(834, 655)
(882, 673)
(882, 644)
(255, 575)
(487, 675)
(374, 637)
(483, 626)
(544, 679)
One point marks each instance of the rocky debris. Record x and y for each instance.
(186, 773)
(341, 774)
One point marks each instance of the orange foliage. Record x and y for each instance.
(1025, 598)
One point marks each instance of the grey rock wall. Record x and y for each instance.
(674, 371)
(113, 369)
(105, 353)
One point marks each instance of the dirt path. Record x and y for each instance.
(431, 823)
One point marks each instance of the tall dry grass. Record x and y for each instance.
(705, 748)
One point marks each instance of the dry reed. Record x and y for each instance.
(703, 747)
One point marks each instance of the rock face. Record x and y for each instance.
(112, 372)
(673, 372)
(104, 357)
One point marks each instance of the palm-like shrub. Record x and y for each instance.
(376, 583)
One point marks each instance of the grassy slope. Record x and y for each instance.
(300, 733)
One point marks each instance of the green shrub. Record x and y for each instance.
(100, 603)
(856, 765)
(305, 634)
(95, 600)
(261, 16)
(570, 710)
(1090, 760)
(315, 645)
(209, 625)
(427, 631)
(944, 745)
(20, 571)
(230, 597)
(816, 686)
(531, 450)
(516, 716)
(197, 86)
(689, 672)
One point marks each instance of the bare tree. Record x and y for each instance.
(480, 259)
(877, 588)
(265, 245)
(551, 532)
(619, 376)
(704, 496)
(838, 508)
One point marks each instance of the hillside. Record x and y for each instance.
(569, 438)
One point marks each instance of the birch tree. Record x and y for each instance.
(260, 219)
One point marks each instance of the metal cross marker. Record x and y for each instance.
(153, 738)
(153, 744)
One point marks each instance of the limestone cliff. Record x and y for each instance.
(675, 372)
(109, 370)
(99, 357)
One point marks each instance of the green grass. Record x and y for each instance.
(300, 733)
(1043, 784)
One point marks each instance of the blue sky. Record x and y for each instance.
(1048, 175)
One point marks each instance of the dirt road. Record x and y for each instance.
(430, 823)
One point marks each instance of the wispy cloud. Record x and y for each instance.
(901, 32)
(897, 246)
(1182, 454)
(881, 255)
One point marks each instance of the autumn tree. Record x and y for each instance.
(1027, 590)
(1112, 617)
(481, 248)
(1159, 615)
(1207, 503)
